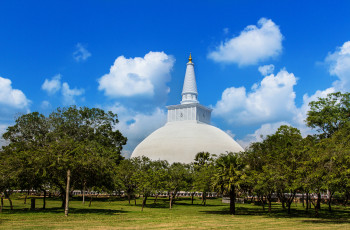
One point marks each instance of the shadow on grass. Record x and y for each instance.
(334, 217)
(71, 211)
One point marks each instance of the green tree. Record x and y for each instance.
(24, 156)
(337, 162)
(203, 171)
(329, 114)
(159, 176)
(127, 177)
(228, 176)
(176, 180)
(260, 172)
(286, 145)
(274, 165)
(66, 147)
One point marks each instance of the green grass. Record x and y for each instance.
(118, 214)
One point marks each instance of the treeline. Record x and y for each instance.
(77, 148)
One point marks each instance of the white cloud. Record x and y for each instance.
(269, 101)
(12, 98)
(138, 77)
(260, 133)
(254, 44)
(45, 105)
(300, 117)
(135, 125)
(70, 94)
(266, 69)
(53, 85)
(230, 133)
(81, 53)
(339, 65)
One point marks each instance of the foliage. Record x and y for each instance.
(81, 140)
(229, 175)
(329, 114)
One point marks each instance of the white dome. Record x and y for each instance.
(181, 141)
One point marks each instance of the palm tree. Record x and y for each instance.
(229, 174)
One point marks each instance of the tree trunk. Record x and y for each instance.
(262, 202)
(282, 199)
(44, 199)
(192, 194)
(316, 208)
(290, 201)
(346, 199)
(232, 200)
(63, 200)
(84, 193)
(144, 202)
(289, 204)
(302, 199)
(67, 193)
(8, 197)
(330, 201)
(174, 197)
(11, 206)
(25, 198)
(269, 200)
(129, 197)
(204, 198)
(32, 204)
(155, 200)
(2, 203)
(307, 202)
(318, 201)
(283, 203)
(317, 205)
(135, 199)
(90, 200)
(170, 201)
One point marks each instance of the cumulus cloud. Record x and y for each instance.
(53, 85)
(266, 69)
(270, 100)
(138, 77)
(260, 133)
(12, 102)
(301, 114)
(254, 44)
(45, 105)
(69, 94)
(135, 125)
(339, 65)
(11, 98)
(81, 53)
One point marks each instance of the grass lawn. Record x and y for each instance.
(118, 214)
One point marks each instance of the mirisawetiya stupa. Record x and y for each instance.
(188, 130)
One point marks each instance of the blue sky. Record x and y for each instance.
(130, 57)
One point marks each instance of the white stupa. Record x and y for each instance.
(188, 130)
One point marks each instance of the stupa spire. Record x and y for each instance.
(189, 91)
